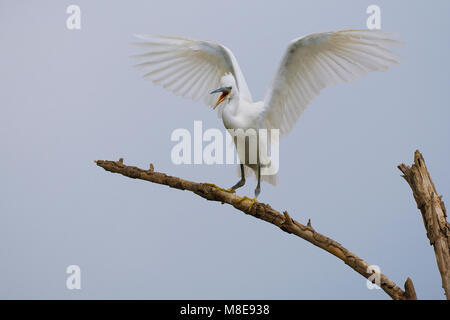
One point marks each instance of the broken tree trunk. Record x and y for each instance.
(433, 213)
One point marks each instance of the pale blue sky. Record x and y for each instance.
(70, 97)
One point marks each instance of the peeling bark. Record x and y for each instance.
(433, 214)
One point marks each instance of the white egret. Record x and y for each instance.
(200, 69)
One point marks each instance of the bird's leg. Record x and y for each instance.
(257, 190)
(258, 186)
(240, 182)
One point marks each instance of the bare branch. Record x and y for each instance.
(264, 212)
(433, 214)
(409, 290)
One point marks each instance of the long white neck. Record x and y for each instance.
(230, 113)
(231, 105)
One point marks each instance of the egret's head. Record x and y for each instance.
(227, 89)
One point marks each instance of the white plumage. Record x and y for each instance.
(193, 68)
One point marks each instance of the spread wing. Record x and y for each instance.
(320, 60)
(188, 67)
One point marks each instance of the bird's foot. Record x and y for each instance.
(252, 201)
(231, 190)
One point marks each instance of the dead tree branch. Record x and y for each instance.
(264, 212)
(433, 214)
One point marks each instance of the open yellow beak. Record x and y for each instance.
(225, 92)
(221, 98)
